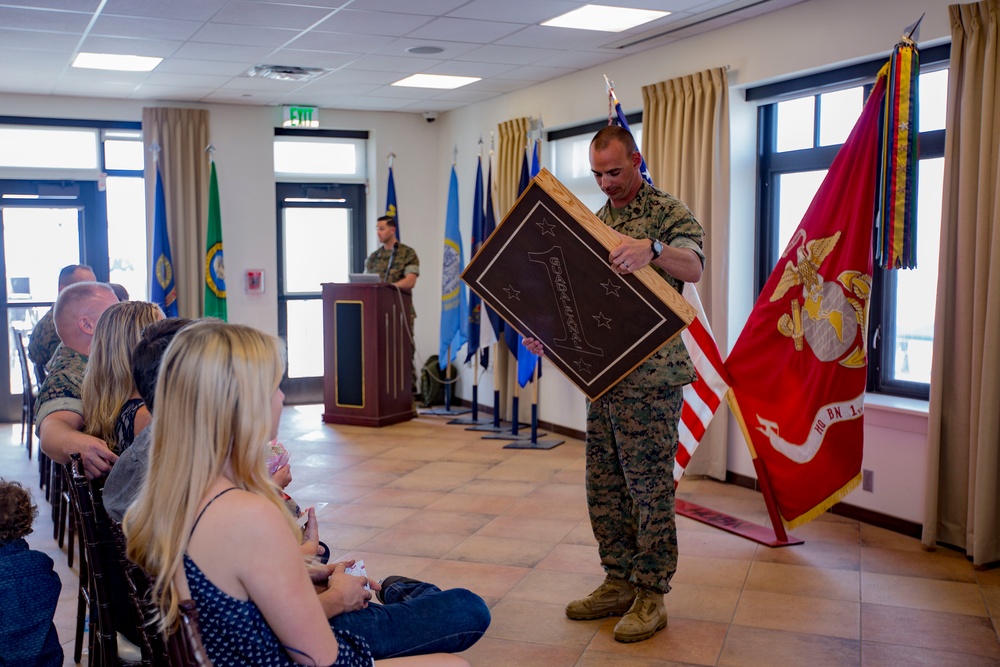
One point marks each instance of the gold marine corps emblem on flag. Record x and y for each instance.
(831, 313)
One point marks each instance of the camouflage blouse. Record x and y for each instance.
(654, 214)
(405, 262)
(61, 388)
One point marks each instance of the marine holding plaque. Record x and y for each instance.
(632, 426)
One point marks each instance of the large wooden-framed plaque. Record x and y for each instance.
(545, 271)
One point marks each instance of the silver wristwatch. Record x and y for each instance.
(656, 247)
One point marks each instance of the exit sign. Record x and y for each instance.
(301, 117)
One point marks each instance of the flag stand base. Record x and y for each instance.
(489, 427)
(474, 421)
(446, 411)
(731, 524)
(534, 443)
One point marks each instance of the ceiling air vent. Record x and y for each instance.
(286, 72)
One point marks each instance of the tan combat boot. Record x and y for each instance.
(646, 616)
(612, 598)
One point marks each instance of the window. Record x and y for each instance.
(798, 139)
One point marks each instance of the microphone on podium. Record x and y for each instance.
(392, 257)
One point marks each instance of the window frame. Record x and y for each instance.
(772, 164)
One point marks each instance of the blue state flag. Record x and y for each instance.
(163, 288)
(390, 202)
(475, 303)
(453, 309)
(496, 324)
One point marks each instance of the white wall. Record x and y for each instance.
(796, 40)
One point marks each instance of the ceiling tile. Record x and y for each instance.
(459, 68)
(511, 55)
(29, 39)
(271, 15)
(372, 23)
(39, 63)
(580, 59)
(393, 64)
(465, 96)
(170, 79)
(41, 19)
(349, 76)
(339, 42)
(532, 73)
(89, 6)
(183, 66)
(133, 26)
(461, 30)
(424, 7)
(245, 54)
(149, 92)
(233, 95)
(370, 103)
(256, 83)
(189, 10)
(243, 35)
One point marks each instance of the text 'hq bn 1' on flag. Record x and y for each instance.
(798, 369)
(454, 312)
(163, 289)
(215, 268)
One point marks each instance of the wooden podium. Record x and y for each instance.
(368, 354)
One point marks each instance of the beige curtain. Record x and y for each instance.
(964, 423)
(512, 142)
(182, 135)
(685, 141)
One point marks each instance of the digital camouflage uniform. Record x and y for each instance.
(405, 263)
(61, 388)
(44, 340)
(632, 429)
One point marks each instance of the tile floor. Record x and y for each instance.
(435, 501)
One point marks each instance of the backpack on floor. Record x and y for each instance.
(432, 382)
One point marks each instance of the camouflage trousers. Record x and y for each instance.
(631, 444)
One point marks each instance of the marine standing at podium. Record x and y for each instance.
(396, 263)
(632, 428)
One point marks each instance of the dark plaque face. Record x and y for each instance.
(547, 276)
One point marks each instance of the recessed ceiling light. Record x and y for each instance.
(602, 17)
(424, 50)
(116, 62)
(443, 81)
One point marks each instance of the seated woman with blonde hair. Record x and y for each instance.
(210, 525)
(112, 408)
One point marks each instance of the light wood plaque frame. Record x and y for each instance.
(545, 271)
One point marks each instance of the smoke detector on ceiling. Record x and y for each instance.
(286, 72)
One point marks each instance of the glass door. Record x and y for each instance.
(44, 228)
(321, 239)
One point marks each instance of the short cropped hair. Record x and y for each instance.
(148, 353)
(611, 133)
(17, 512)
(388, 219)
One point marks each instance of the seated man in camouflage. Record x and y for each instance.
(59, 410)
(44, 339)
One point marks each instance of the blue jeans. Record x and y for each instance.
(418, 618)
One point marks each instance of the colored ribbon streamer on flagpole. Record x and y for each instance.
(895, 241)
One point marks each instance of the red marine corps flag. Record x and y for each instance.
(798, 370)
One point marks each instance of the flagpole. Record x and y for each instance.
(534, 442)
